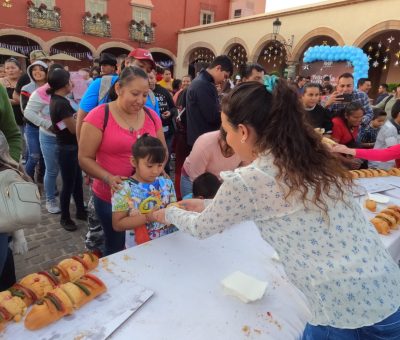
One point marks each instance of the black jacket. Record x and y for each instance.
(166, 103)
(202, 107)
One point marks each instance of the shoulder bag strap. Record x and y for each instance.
(149, 114)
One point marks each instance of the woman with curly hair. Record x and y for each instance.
(299, 197)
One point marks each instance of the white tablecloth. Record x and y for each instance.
(189, 303)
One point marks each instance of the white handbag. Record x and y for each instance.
(19, 202)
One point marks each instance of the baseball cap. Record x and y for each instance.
(108, 59)
(142, 54)
(38, 55)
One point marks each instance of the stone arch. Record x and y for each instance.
(165, 51)
(232, 42)
(112, 44)
(306, 39)
(260, 45)
(375, 30)
(12, 31)
(64, 39)
(192, 47)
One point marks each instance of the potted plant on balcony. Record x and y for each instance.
(42, 7)
(57, 10)
(106, 18)
(87, 15)
(98, 17)
(30, 5)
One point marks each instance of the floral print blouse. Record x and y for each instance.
(336, 259)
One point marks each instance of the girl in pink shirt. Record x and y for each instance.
(106, 140)
(210, 153)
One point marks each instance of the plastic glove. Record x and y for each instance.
(19, 244)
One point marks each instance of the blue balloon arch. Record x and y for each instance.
(353, 54)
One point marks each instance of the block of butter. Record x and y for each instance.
(244, 287)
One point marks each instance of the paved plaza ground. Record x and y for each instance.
(49, 243)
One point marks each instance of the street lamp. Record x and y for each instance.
(276, 26)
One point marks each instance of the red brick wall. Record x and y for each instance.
(170, 16)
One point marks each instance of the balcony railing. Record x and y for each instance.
(97, 25)
(48, 19)
(141, 32)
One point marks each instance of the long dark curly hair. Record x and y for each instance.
(304, 164)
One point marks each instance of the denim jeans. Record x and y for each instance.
(7, 269)
(49, 147)
(24, 148)
(72, 183)
(387, 329)
(114, 240)
(34, 152)
(186, 185)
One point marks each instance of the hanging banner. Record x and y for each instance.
(320, 69)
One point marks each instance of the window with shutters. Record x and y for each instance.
(140, 13)
(49, 3)
(96, 6)
(206, 17)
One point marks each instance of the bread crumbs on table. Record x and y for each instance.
(271, 320)
(127, 257)
(246, 329)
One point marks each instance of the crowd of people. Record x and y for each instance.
(248, 149)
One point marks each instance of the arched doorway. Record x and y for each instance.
(163, 61)
(19, 44)
(383, 51)
(116, 51)
(273, 57)
(76, 50)
(199, 58)
(237, 53)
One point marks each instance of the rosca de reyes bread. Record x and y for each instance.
(13, 305)
(367, 173)
(34, 287)
(26, 294)
(89, 260)
(387, 220)
(381, 226)
(328, 141)
(394, 214)
(39, 283)
(68, 270)
(63, 300)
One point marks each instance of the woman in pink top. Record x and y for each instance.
(379, 155)
(106, 140)
(210, 153)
